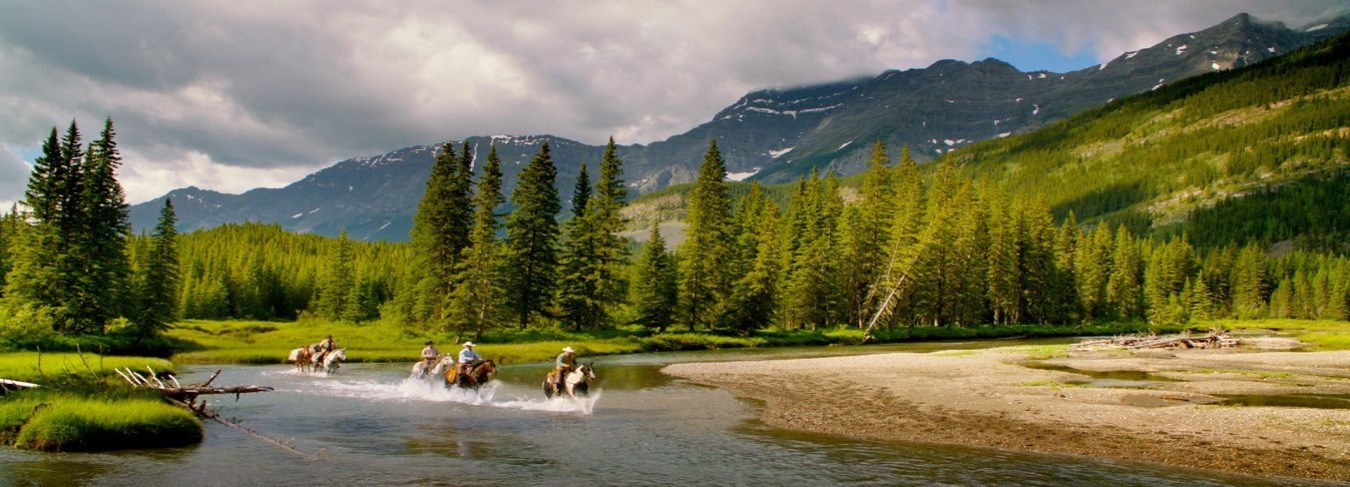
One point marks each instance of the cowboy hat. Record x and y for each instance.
(468, 344)
(568, 350)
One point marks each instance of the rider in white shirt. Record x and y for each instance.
(468, 357)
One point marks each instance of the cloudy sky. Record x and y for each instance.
(235, 95)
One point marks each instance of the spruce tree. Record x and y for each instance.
(754, 295)
(159, 287)
(478, 299)
(1125, 287)
(107, 226)
(435, 252)
(532, 239)
(655, 289)
(578, 293)
(334, 287)
(611, 250)
(704, 281)
(1249, 283)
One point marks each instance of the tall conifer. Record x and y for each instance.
(532, 239)
(704, 281)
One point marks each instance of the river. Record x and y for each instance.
(368, 425)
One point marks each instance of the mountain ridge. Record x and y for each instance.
(773, 135)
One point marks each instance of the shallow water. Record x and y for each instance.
(369, 425)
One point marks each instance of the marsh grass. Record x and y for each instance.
(72, 367)
(58, 422)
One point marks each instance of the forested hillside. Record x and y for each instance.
(1278, 132)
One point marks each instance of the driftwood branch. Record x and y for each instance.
(7, 385)
(1139, 342)
(186, 397)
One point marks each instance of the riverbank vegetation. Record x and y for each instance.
(81, 405)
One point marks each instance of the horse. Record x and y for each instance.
(577, 383)
(333, 359)
(479, 373)
(302, 358)
(421, 371)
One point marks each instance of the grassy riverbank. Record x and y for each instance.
(81, 405)
(260, 342)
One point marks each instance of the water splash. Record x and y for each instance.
(559, 404)
(413, 390)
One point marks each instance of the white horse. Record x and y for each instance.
(422, 372)
(332, 360)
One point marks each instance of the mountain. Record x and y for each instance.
(769, 135)
(1258, 154)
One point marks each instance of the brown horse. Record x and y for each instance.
(478, 373)
(302, 358)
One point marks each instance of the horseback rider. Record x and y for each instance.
(564, 364)
(468, 358)
(430, 354)
(322, 348)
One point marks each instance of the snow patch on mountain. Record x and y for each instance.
(742, 176)
(778, 153)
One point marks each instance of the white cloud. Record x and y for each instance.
(232, 96)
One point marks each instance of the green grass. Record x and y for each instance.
(261, 342)
(1052, 384)
(271, 342)
(23, 366)
(1318, 334)
(60, 422)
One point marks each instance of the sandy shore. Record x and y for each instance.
(985, 398)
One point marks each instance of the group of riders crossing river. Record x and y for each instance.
(469, 370)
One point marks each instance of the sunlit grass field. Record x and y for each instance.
(24, 366)
(260, 342)
(1318, 334)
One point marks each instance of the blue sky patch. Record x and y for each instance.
(1028, 55)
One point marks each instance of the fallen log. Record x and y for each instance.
(1137, 342)
(7, 385)
(187, 397)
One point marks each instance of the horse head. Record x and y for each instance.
(485, 371)
(339, 355)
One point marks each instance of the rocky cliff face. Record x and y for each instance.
(770, 135)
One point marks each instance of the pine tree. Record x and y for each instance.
(435, 251)
(754, 295)
(864, 235)
(1124, 289)
(578, 294)
(335, 287)
(1092, 267)
(656, 287)
(159, 287)
(706, 251)
(1248, 279)
(107, 226)
(532, 239)
(478, 300)
(611, 250)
